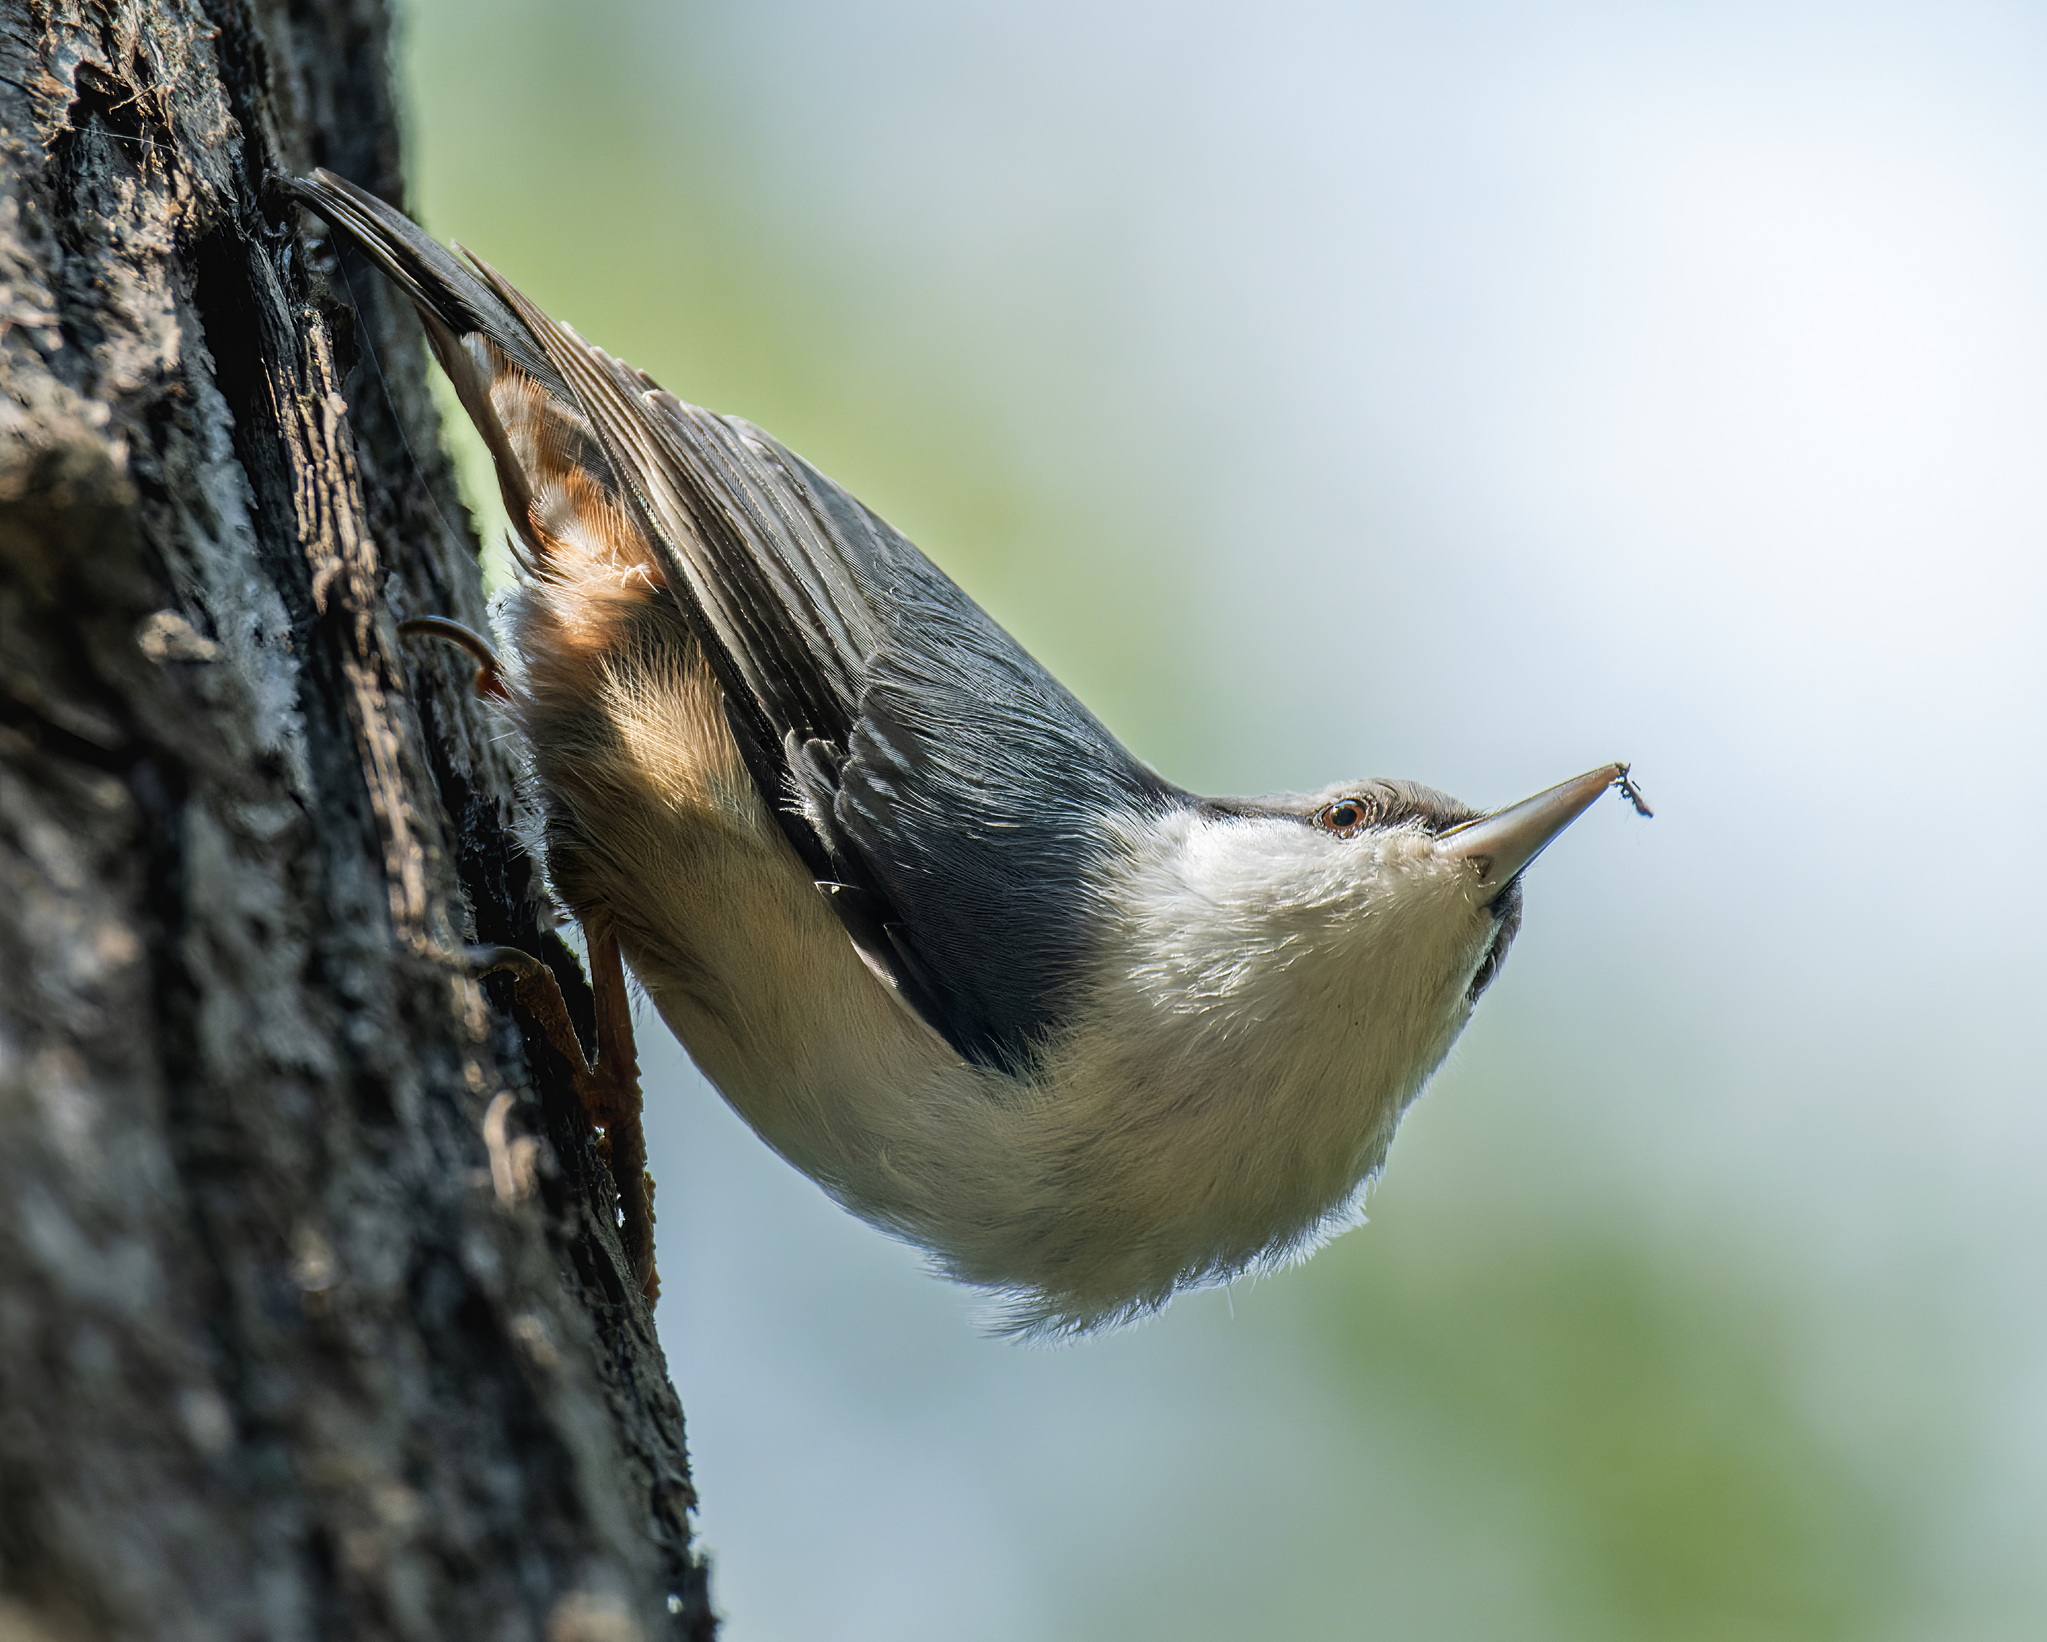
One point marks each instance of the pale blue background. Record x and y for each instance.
(1474, 393)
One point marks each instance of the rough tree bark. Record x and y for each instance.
(313, 1318)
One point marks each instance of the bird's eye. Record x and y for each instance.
(1347, 817)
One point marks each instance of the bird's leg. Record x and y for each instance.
(609, 1090)
(490, 683)
(618, 1073)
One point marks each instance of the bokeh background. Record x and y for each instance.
(1472, 392)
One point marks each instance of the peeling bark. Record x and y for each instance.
(313, 1316)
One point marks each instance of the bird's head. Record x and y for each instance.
(1363, 919)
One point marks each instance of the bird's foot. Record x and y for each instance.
(609, 1090)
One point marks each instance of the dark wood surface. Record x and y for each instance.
(313, 1319)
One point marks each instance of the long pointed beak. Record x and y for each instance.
(1502, 844)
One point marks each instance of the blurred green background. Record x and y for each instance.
(1473, 393)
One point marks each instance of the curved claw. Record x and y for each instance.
(490, 683)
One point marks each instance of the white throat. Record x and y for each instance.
(1364, 949)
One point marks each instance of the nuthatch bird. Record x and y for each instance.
(1085, 1037)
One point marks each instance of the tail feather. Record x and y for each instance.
(432, 275)
(583, 560)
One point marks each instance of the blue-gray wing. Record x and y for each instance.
(946, 790)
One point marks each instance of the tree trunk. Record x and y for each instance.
(313, 1316)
